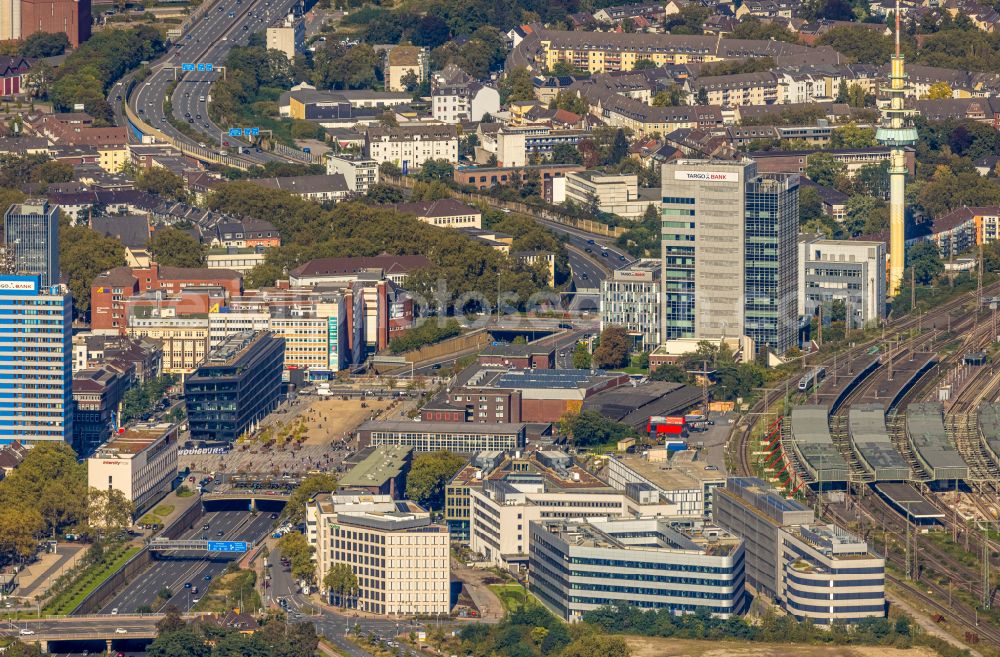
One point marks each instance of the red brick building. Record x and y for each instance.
(112, 289)
(70, 16)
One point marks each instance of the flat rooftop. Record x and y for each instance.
(644, 534)
(383, 463)
(677, 473)
(926, 433)
(458, 428)
(134, 439)
(538, 379)
(906, 498)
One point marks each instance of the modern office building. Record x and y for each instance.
(141, 462)
(576, 566)
(729, 253)
(687, 484)
(462, 437)
(848, 271)
(36, 361)
(631, 298)
(400, 558)
(31, 234)
(238, 386)
(377, 471)
(818, 572)
(97, 394)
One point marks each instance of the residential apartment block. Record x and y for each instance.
(408, 147)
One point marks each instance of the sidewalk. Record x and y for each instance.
(35, 580)
(180, 504)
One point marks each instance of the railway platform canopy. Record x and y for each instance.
(926, 434)
(870, 441)
(908, 501)
(812, 443)
(989, 425)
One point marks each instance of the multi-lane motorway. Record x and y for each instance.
(225, 24)
(177, 569)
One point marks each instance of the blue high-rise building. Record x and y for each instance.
(36, 358)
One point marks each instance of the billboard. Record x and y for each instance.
(708, 176)
(19, 284)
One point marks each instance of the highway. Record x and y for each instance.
(173, 572)
(208, 41)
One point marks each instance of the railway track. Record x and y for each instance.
(926, 590)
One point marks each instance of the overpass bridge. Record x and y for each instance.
(187, 545)
(92, 629)
(252, 496)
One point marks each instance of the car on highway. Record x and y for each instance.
(220, 533)
(121, 630)
(604, 254)
(621, 257)
(114, 612)
(208, 578)
(190, 120)
(187, 115)
(584, 276)
(588, 250)
(187, 585)
(26, 632)
(591, 242)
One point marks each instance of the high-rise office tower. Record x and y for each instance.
(729, 253)
(36, 358)
(31, 234)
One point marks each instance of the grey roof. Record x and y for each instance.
(926, 433)
(305, 184)
(906, 497)
(870, 438)
(989, 424)
(131, 230)
(811, 430)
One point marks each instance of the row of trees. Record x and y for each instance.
(276, 638)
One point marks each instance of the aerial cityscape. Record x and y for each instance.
(499, 329)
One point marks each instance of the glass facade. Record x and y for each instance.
(229, 393)
(32, 234)
(771, 256)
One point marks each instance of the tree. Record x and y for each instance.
(431, 32)
(571, 102)
(171, 621)
(296, 549)
(171, 247)
(939, 91)
(19, 527)
(161, 181)
(669, 98)
(669, 372)
(702, 96)
(860, 43)
(437, 170)
(823, 169)
(644, 64)
(51, 483)
(565, 154)
(341, 582)
(182, 642)
(516, 85)
(44, 44)
(852, 136)
(83, 254)
(109, 511)
(589, 428)
(924, 259)
(429, 474)
(810, 204)
(295, 509)
(619, 148)
(865, 215)
(613, 348)
(581, 357)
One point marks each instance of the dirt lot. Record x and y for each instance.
(654, 647)
(327, 420)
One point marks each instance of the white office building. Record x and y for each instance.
(577, 566)
(631, 298)
(141, 463)
(849, 271)
(400, 558)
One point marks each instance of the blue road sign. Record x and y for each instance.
(208, 67)
(235, 132)
(251, 132)
(228, 546)
(187, 67)
(201, 67)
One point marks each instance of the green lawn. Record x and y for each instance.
(89, 580)
(163, 510)
(513, 596)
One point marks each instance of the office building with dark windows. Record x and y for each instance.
(31, 234)
(237, 386)
(818, 572)
(576, 566)
(729, 253)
